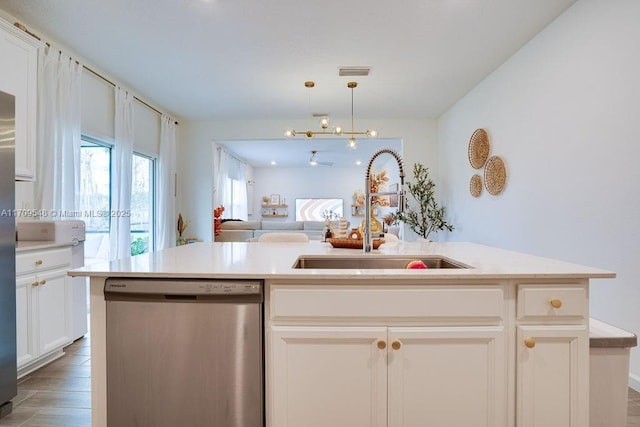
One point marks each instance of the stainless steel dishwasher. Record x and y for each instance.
(184, 352)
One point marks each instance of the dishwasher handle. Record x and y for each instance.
(176, 298)
(183, 290)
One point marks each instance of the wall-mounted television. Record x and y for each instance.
(312, 209)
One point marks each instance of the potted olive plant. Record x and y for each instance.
(427, 216)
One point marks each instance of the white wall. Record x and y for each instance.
(319, 181)
(195, 165)
(563, 113)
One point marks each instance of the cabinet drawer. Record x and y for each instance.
(484, 303)
(551, 302)
(42, 260)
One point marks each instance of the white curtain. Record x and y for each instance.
(121, 161)
(232, 186)
(166, 194)
(59, 133)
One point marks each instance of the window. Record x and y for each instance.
(232, 186)
(236, 206)
(142, 202)
(95, 200)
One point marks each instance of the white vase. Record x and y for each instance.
(395, 230)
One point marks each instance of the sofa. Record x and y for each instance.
(243, 231)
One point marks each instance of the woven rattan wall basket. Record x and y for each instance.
(495, 175)
(475, 185)
(478, 148)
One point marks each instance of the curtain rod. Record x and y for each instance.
(221, 148)
(95, 73)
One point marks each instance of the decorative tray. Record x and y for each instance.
(353, 243)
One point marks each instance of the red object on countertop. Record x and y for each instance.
(416, 265)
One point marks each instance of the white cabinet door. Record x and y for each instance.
(53, 310)
(447, 376)
(552, 376)
(43, 301)
(25, 331)
(328, 376)
(18, 76)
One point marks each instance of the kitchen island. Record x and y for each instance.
(501, 342)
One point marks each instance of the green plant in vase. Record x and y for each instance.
(427, 216)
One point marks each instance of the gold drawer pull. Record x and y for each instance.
(42, 282)
(382, 345)
(529, 342)
(555, 303)
(396, 345)
(34, 283)
(38, 262)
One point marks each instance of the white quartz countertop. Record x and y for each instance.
(253, 260)
(31, 245)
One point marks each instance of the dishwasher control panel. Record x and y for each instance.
(183, 286)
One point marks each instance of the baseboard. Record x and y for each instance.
(39, 363)
(634, 382)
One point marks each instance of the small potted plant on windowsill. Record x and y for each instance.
(427, 216)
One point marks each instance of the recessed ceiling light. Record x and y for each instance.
(273, 162)
(358, 162)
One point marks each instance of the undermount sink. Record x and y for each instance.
(374, 262)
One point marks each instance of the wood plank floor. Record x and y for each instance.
(59, 394)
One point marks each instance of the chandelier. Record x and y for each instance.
(335, 130)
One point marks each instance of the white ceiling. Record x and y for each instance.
(297, 153)
(248, 59)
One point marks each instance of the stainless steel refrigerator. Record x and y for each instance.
(8, 375)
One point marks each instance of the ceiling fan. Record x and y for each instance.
(313, 161)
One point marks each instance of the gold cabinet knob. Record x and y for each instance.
(382, 345)
(34, 283)
(396, 345)
(38, 262)
(42, 282)
(555, 303)
(529, 342)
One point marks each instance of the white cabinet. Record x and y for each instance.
(19, 77)
(435, 371)
(43, 306)
(387, 356)
(485, 354)
(25, 339)
(378, 376)
(552, 352)
(329, 376)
